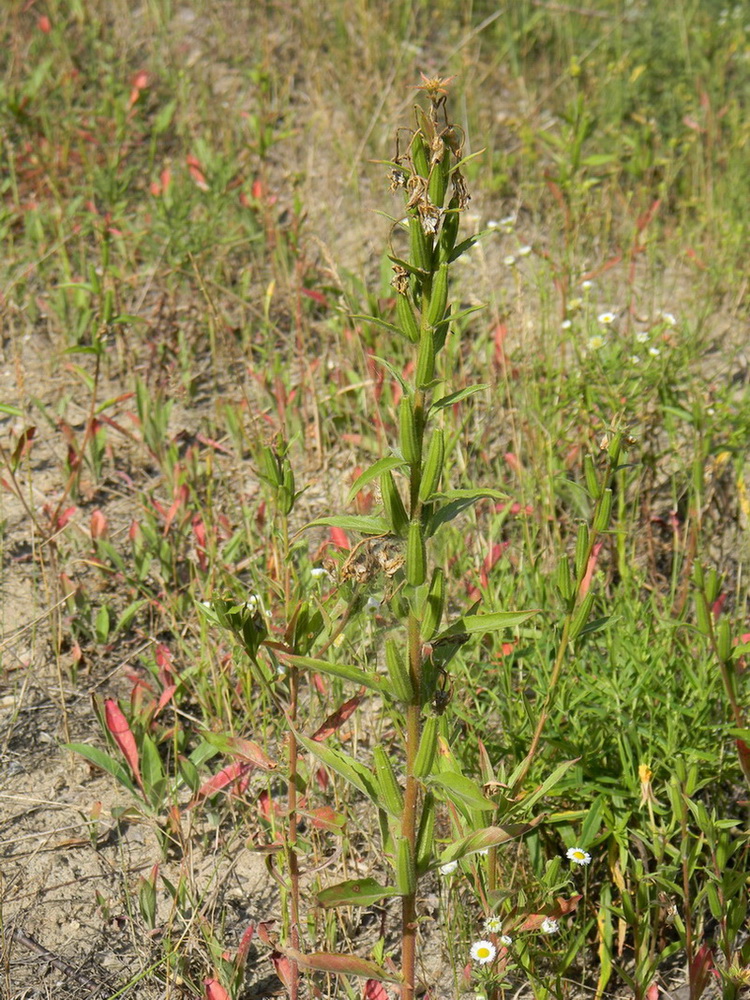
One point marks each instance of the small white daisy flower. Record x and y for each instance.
(634, 359)
(642, 337)
(448, 868)
(508, 223)
(318, 573)
(493, 925)
(483, 952)
(654, 352)
(549, 926)
(587, 285)
(578, 856)
(574, 305)
(524, 251)
(596, 342)
(566, 324)
(493, 224)
(668, 318)
(509, 261)
(606, 318)
(505, 940)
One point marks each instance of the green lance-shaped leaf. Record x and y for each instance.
(354, 892)
(433, 465)
(365, 525)
(494, 621)
(398, 672)
(349, 768)
(375, 470)
(345, 671)
(411, 443)
(106, 763)
(407, 321)
(460, 790)
(416, 559)
(480, 840)
(457, 502)
(394, 505)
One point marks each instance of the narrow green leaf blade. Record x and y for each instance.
(343, 670)
(461, 790)
(365, 525)
(349, 768)
(456, 397)
(106, 763)
(490, 836)
(382, 465)
(355, 892)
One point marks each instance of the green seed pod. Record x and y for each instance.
(563, 578)
(702, 614)
(419, 156)
(698, 578)
(433, 609)
(438, 183)
(398, 672)
(433, 465)
(592, 483)
(420, 244)
(439, 296)
(415, 555)
(582, 551)
(427, 747)
(724, 640)
(407, 321)
(713, 585)
(601, 521)
(287, 489)
(426, 834)
(411, 445)
(406, 876)
(581, 615)
(391, 796)
(425, 358)
(449, 232)
(394, 505)
(614, 448)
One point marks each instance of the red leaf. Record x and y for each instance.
(652, 993)
(98, 526)
(337, 718)
(374, 990)
(196, 172)
(215, 991)
(591, 566)
(339, 539)
(283, 968)
(227, 775)
(118, 726)
(165, 698)
(249, 752)
(245, 944)
(44, 24)
(325, 818)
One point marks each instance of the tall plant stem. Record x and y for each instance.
(409, 817)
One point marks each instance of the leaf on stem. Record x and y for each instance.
(346, 965)
(343, 670)
(490, 836)
(120, 730)
(382, 465)
(355, 892)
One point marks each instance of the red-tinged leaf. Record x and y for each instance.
(337, 718)
(590, 568)
(215, 991)
(118, 726)
(165, 698)
(316, 296)
(210, 443)
(247, 751)
(561, 909)
(44, 24)
(341, 965)
(743, 752)
(339, 539)
(326, 818)
(652, 993)
(321, 776)
(23, 447)
(320, 684)
(226, 776)
(98, 525)
(65, 517)
(374, 990)
(196, 172)
(244, 945)
(284, 969)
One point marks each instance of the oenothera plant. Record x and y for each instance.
(407, 786)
